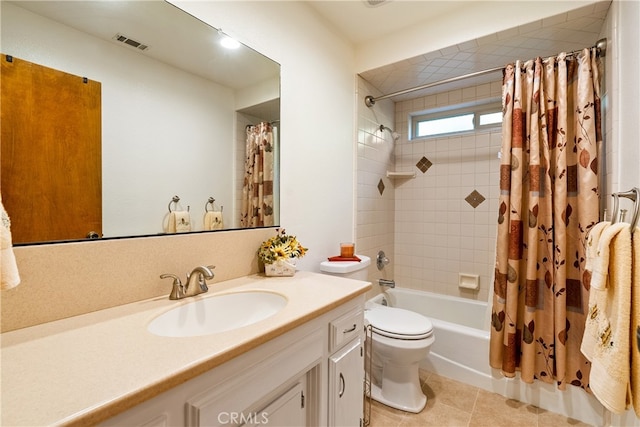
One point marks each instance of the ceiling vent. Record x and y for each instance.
(131, 42)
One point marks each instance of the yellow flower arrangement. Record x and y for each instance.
(281, 247)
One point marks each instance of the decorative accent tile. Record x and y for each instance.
(381, 187)
(424, 164)
(474, 199)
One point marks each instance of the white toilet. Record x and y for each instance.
(401, 339)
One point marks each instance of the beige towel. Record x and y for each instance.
(593, 238)
(179, 222)
(9, 275)
(635, 322)
(610, 367)
(213, 220)
(597, 297)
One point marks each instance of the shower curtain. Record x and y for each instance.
(257, 190)
(549, 200)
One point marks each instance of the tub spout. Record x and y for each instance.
(387, 282)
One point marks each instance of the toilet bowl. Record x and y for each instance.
(400, 340)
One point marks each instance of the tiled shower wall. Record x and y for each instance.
(445, 216)
(424, 224)
(375, 208)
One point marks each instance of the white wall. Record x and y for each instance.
(317, 115)
(159, 123)
(623, 84)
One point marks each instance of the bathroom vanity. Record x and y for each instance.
(301, 366)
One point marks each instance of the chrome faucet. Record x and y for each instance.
(196, 282)
(177, 291)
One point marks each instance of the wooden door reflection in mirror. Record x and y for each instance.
(51, 152)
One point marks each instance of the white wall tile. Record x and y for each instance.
(431, 216)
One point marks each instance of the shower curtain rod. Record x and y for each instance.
(601, 46)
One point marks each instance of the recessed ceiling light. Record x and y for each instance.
(227, 41)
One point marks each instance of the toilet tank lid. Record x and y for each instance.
(344, 267)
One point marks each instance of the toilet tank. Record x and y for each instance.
(350, 269)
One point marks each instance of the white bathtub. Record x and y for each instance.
(461, 352)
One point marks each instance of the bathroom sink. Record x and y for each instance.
(218, 313)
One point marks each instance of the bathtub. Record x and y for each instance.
(461, 348)
(461, 352)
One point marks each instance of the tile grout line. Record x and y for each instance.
(475, 404)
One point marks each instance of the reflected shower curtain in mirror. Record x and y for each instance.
(549, 200)
(257, 190)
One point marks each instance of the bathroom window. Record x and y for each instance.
(457, 119)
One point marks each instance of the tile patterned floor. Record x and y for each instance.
(451, 403)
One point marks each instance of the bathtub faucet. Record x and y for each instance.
(387, 282)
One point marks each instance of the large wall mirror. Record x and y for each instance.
(175, 108)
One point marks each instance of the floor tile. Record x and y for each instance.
(495, 410)
(438, 415)
(384, 416)
(452, 393)
(452, 403)
(550, 419)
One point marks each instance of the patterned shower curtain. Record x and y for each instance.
(549, 200)
(257, 190)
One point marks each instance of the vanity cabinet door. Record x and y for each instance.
(346, 378)
(286, 411)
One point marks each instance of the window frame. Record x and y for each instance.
(492, 105)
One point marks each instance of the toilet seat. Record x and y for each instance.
(399, 323)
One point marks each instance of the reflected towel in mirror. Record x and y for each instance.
(179, 222)
(9, 276)
(213, 220)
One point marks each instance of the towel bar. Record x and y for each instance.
(210, 202)
(634, 195)
(175, 199)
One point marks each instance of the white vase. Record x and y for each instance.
(281, 268)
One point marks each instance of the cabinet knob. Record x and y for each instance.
(342, 385)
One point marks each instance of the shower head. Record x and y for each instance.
(394, 135)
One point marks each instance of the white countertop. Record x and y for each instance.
(85, 369)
